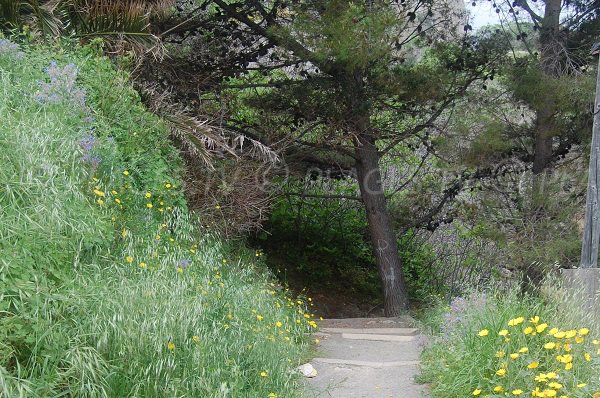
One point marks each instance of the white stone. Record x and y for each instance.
(307, 370)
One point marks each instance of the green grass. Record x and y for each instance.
(102, 295)
(470, 347)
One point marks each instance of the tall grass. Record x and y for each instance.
(107, 287)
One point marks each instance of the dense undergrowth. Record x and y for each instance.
(502, 343)
(107, 287)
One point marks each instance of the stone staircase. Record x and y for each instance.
(367, 358)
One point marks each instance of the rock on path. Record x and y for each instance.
(367, 358)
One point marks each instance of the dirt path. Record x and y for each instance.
(367, 358)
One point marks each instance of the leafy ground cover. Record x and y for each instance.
(107, 286)
(502, 343)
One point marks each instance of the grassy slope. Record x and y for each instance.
(101, 294)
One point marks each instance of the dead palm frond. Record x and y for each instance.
(204, 138)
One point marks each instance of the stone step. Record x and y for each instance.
(377, 337)
(394, 331)
(403, 321)
(370, 364)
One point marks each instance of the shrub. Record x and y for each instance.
(502, 344)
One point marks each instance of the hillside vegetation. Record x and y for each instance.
(107, 287)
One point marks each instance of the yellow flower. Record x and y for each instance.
(559, 335)
(514, 356)
(570, 334)
(171, 345)
(124, 232)
(148, 195)
(149, 205)
(498, 389)
(567, 347)
(533, 365)
(534, 320)
(100, 201)
(581, 385)
(517, 392)
(584, 331)
(179, 270)
(129, 259)
(550, 346)
(587, 357)
(528, 330)
(278, 324)
(118, 200)
(264, 373)
(524, 350)
(196, 339)
(317, 341)
(142, 265)
(503, 333)
(569, 366)
(259, 317)
(541, 328)
(99, 193)
(553, 331)
(516, 321)
(555, 385)
(126, 173)
(114, 192)
(272, 395)
(499, 354)
(168, 186)
(501, 372)
(476, 391)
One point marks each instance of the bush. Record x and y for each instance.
(502, 344)
(109, 287)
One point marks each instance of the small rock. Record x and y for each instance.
(307, 370)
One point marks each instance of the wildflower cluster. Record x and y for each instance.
(536, 359)
(10, 50)
(158, 201)
(61, 87)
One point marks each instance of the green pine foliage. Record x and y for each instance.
(107, 286)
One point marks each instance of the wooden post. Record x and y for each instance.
(591, 233)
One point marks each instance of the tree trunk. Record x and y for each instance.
(545, 128)
(383, 238)
(544, 131)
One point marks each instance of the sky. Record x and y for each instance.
(482, 14)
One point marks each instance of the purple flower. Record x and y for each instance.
(9, 49)
(184, 263)
(87, 145)
(62, 86)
